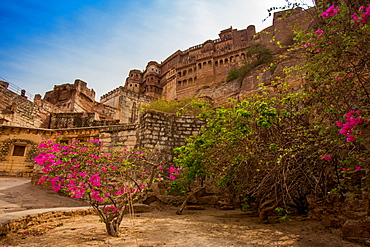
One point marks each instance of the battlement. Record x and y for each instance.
(82, 87)
(123, 91)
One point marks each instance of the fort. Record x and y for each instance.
(71, 109)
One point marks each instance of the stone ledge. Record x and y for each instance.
(12, 222)
(17, 220)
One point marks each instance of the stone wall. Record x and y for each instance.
(118, 136)
(164, 132)
(17, 110)
(156, 130)
(18, 148)
(126, 102)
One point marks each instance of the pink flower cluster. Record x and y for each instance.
(83, 170)
(331, 11)
(342, 79)
(363, 17)
(358, 168)
(173, 171)
(111, 209)
(351, 122)
(325, 157)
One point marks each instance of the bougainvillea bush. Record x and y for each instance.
(278, 148)
(110, 181)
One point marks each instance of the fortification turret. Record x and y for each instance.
(151, 80)
(134, 81)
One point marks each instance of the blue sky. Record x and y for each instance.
(46, 43)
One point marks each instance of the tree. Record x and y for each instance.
(109, 181)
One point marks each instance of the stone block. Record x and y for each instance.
(209, 200)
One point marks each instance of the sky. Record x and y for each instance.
(46, 43)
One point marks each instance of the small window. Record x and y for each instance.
(64, 142)
(19, 150)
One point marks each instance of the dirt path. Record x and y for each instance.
(210, 227)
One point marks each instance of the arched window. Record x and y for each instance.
(199, 65)
(221, 62)
(226, 60)
(190, 71)
(209, 63)
(204, 64)
(231, 59)
(216, 63)
(190, 80)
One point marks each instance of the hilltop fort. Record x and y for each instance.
(71, 109)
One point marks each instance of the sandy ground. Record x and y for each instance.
(210, 227)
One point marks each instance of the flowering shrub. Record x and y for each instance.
(272, 150)
(109, 181)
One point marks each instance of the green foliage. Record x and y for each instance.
(259, 54)
(274, 149)
(232, 75)
(190, 106)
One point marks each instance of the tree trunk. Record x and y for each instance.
(112, 228)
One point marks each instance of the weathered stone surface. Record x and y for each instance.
(171, 200)
(209, 200)
(356, 229)
(195, 207)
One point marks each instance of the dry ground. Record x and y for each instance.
(210, 227)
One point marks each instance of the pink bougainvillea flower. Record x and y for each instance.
(172, 169)
(339, 124)
(332, 10)
(160, 167)
(172, 177)
(358, 168)
(324, 15)
(350, 138)
(325, 157)
(319, 31)
(344, 169)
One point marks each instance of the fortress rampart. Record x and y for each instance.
(183, 73)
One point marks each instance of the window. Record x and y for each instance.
(19, 149)
(64, 142)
